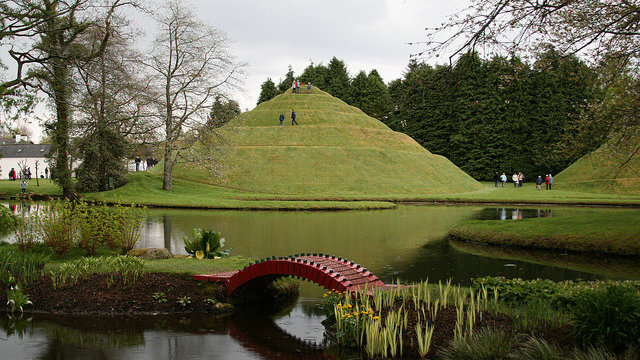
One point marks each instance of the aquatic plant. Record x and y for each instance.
(17, 299)
(209, 242)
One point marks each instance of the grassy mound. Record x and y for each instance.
(336, 150)
(609, 169)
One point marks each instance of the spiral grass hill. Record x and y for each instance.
(336, 150)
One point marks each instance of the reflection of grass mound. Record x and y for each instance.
(336, 150)
(610, 169)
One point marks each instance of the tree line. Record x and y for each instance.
(485, 115)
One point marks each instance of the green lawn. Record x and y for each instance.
(45, 187)
(600, 231)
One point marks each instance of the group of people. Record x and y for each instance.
(25, 174)
(547, 180)
(293, 118)
(518, 180)
(295, 87)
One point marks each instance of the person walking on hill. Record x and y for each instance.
(503, 178)
(309, 88)
(496, 178)
(514, 178)
(281, 119)
(546, 181)
(539, 182)
(293, 118)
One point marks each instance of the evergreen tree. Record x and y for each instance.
(285, 85)
(222, 111)
(103, 151)
(337, 81)
(370, 94)
(268, 91)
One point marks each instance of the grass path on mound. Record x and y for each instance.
(602, 230)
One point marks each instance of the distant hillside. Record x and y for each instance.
(336, 150)
(611, 169)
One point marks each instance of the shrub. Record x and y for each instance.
(538, 349)
(608, 317)
(123, 226)
(27, 232)
(208, 242)
(92, 223)
(7, 220)
(486, 344)
(57, 226)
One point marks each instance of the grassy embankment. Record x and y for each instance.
(603, 231)
(613, 168)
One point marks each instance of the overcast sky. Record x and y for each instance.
(366, 34)
(270, 35)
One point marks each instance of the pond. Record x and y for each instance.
(408, 243)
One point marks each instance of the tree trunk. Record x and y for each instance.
(60, 86)
(168, 167)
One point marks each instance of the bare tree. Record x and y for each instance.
(191, 64)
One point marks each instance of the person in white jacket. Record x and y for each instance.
(503, 178)
(515, 179)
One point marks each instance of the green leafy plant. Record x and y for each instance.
(184, 301)
(8, 220)
(19, 267)
(17, 299)
(608, 317)
(208, 242)
(160, 297)
(123, 229)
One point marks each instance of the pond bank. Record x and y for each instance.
(152, 294)
(614, 232)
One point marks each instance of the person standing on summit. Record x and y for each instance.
(293, 118)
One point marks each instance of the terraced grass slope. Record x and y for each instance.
(335, 150)
(609, 169)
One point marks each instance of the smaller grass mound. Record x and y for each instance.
(603, 231)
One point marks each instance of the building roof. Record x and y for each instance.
(24, 150)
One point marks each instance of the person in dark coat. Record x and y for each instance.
(293, 118)
(496, 178)
(281, 119)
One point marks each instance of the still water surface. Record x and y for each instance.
(408, 243)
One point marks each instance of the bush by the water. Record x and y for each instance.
(560, 294)
(63, 225)
(7, 220)
(205, 244)
(608, 317)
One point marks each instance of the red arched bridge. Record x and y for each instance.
(331, 272)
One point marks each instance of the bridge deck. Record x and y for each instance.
(331, 272)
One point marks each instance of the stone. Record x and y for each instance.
(151, 253)
(223, 307)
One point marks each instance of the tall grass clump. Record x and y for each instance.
(20, 268)
(123, 269)
(486, 344)
(27, 232)
(608, 317)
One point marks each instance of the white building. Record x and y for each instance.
(22, 156)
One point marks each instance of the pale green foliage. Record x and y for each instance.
(124, 269)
